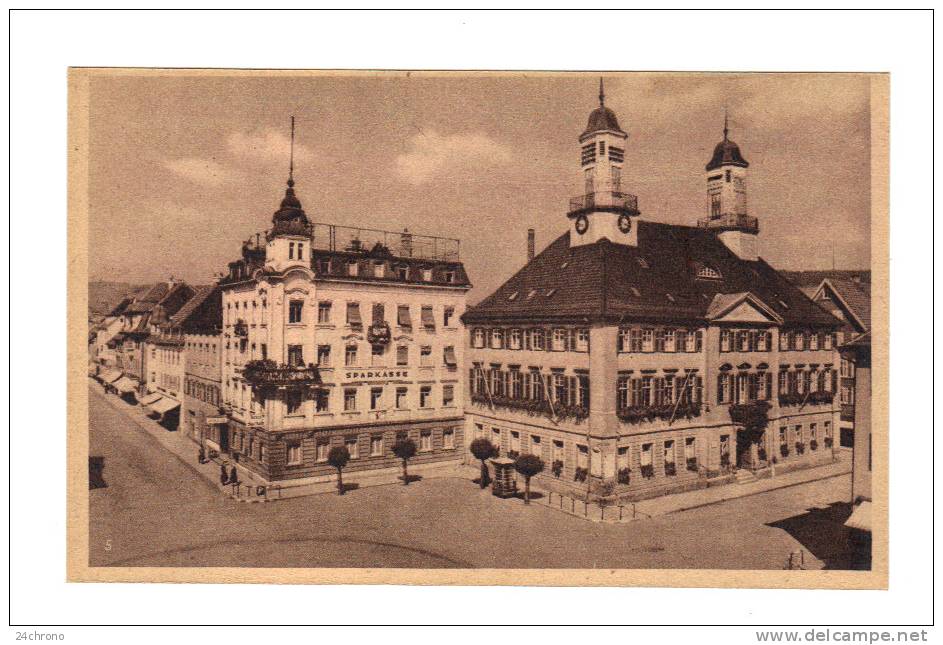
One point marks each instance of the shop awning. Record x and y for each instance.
(125, 385)
(163, 405)
(860, 518)
(150, 398)
(215, 421)
(450, 359)
(111, 376)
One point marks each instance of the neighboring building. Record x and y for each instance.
(643, 358)
(201, 321)
(336, 336)
(858, 352)
(847, 296)
(101, 348)
(165, 299)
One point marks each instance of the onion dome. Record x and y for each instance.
(726, 153)
(290, 209)
(602, 118)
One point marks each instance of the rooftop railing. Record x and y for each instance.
(604, 199)
(730, 221)
(333, 237)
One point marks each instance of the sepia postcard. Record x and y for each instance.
(478, 328)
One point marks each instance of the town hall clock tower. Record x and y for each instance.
(603, 210)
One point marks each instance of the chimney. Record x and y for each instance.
(530, 244)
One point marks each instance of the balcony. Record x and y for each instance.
(753, 415)
(731, 222)
(266, 374)
(608, 200)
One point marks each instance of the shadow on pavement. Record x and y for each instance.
(823, 533)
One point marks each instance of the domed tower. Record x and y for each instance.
(726, 174)
(289, 240)
(603, 210)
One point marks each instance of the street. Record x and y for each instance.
(154, 510)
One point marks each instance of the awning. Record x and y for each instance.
(402, 317)
(150, 398)
(111, 376)
(861, 517)
(215, 421)
(164, 405)
(450, 359)
(125, 385)
(428, 320)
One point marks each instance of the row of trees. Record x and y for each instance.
(405, 449)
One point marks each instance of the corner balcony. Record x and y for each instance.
(731, 222)
(754, 414)
(604, 200)
(269, 374)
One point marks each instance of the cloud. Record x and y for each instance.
(430, 154)
(246, 153)
(268, 147)
(206, 172)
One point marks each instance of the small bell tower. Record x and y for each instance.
(726, 175)
(603, 210)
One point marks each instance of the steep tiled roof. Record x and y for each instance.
(202, 312)
(153, 296)
(657, 280)
(853, 287)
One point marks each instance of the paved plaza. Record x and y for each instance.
(156, 510)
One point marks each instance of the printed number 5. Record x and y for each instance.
(107, 545)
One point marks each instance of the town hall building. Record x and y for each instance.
(639, 358)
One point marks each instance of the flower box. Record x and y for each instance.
(623, 476)
(784, 450)
(692, 464)
(557, 468)
(580, 474)
(828, 442)
(800, 447)
(647, 471)
(670, 468)
(639, 414)
(761, 453)
(814, 445)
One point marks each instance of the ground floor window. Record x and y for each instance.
(535, 445)
(582, 463)
(448, 438)
(690, 454)
(670, 458)
(479, 430)
(294, 454)
(813, 436)
(496, 438)
(353, 447)
(645, 461)
(425, 440)
(847, 437)
(515, 443)
(376, 446)
(322, 449)
(725, 450)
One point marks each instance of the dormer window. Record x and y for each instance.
(427, 275)
(324, 265)
(449, 276)
(402, 272)
(709, 273)
(513, 296)
(352, 268)
(379, 270)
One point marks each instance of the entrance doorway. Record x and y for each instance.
(223, 438)
(744, 441)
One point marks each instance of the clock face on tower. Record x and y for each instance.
(625, 223)
(582, 224)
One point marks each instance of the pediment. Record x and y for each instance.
(741, 308)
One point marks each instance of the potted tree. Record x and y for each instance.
(405, 449)
(482, 449)
(338, 457)
(528, 466)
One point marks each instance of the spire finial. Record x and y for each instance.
(602, 94)
(291, 159)
(725, 123)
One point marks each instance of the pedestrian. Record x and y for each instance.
(201, 457)
(223, 475)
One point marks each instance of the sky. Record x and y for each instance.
(184, 166)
